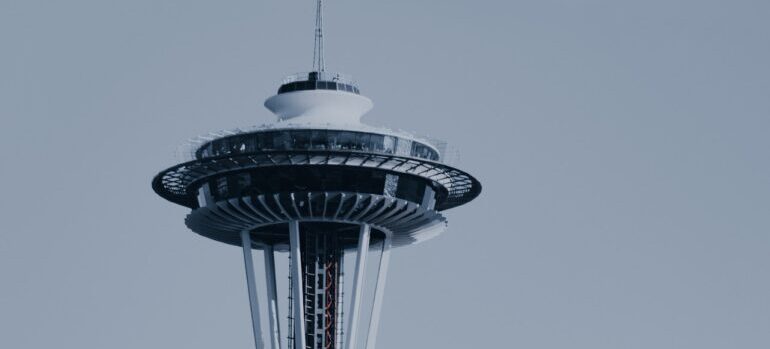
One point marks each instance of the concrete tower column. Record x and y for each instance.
(252, 287)
(379, 292)
(272, 297)
(297, 286)
(358, 284)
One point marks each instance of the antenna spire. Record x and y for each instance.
(318, 53)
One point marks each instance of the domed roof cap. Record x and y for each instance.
(319, 97)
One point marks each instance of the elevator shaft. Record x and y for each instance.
(321, 256)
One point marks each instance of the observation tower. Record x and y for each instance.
(319, 187)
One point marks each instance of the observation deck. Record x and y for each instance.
(317, 163)
(318, 81)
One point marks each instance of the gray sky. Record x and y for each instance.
(622, 145)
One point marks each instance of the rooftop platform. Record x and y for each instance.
(318, 81)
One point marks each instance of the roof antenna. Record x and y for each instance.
(318, 53)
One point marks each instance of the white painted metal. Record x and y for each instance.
(297, 287)
(340, 303)
(252, 287)
(358, 284)
(272, 298)
(379, 292)
(428, 198)
(408, 223)
(322, 107)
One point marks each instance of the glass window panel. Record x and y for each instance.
(250, 143)
(403, 147)
(235, 144)
(221, 147)
(417, 150)
(264, 141)
(347, 140)
(319, 140)
(281, 141)
(301, 139)
(376, 142)
(333, 139)
(363, 141)
(389, 144)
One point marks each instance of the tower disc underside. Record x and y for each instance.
(181, 183)
(266, 216)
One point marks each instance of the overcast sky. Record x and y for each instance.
(622, 145)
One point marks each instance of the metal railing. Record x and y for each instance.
(319, 76)
(448, 154)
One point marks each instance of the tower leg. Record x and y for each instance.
(272, 298)
(358, 284)
(297, 287)
(252, 287)
(379, 292)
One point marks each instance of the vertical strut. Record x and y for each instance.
(379, 292)
(297, 287)
(340, 301)
(250, 284)
(272, 298)
(358, 284)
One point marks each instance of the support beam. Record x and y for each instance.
(379, 292)
(340, 303)
(250, 284)
(297, 287)
(272, 298)
(358, 284)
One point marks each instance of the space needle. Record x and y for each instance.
(323, 193)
